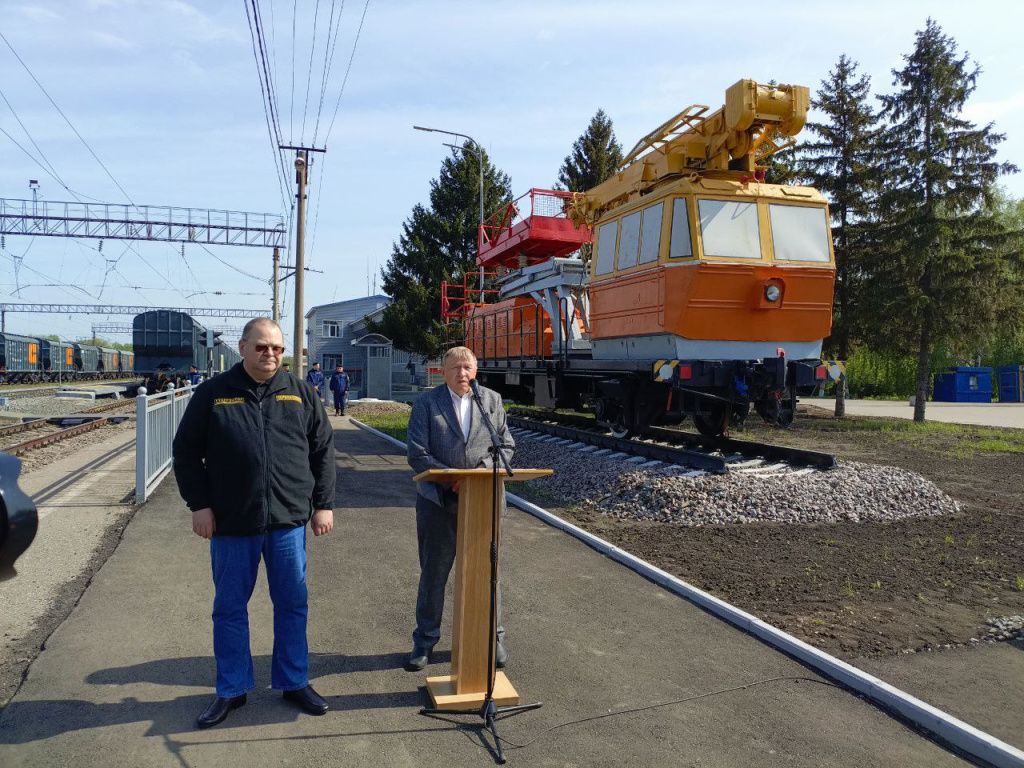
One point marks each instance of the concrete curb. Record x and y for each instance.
(949, 729)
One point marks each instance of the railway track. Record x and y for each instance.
(19, 449)
(669, 446)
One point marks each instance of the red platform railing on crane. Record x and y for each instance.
(458, 297)
(531, 229)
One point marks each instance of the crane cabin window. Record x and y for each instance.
(605, 262)
(729, 229)
(799, 233)
(680, 246)
(650, 233)
(629, 241)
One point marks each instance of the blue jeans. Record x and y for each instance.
(436, 529)
(236, 562)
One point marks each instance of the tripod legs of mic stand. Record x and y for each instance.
(489, 713)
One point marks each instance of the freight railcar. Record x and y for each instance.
(708, 292)
(170, 342)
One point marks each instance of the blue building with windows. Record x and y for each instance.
(337, 333)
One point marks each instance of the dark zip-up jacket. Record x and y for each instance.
(258, 463)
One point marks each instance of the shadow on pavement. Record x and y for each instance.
(200, 671)
(45, 719)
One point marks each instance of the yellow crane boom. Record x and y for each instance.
(755, 122)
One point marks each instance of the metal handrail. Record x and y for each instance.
(157, 418)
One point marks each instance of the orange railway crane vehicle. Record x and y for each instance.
(709, 291)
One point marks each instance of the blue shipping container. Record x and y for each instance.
(964, 385)
(1011, 383)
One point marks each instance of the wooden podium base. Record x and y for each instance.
(443, 695)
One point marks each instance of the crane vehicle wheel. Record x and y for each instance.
(713, 424)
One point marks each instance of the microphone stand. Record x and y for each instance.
(488, 710)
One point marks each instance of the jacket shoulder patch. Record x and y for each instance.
(289, 398)
(229, 401)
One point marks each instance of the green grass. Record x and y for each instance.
(394, 424)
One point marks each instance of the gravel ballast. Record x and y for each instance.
(852, 492)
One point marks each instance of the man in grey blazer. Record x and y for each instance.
(446, 431)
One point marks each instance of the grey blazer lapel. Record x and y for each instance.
(448, 409)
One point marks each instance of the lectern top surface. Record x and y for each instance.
(449, 474)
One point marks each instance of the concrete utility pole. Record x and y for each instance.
(275, 312)
(301, 175)
(301, 179)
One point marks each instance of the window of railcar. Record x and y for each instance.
(729, 229)
(629, 241)
(680, 246)
(606, 248)
(799, 233)
(650, 233)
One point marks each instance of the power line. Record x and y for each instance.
(66, 120)
(328, 64)
(309, 73)
(52, 171)
(291, 117)
(348, 69)
(274, 135)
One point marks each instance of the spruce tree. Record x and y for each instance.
(841, 164)
(437, 243)
(940, 276)
(595, 156)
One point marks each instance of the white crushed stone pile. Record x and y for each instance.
(851, 492)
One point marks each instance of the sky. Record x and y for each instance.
(165, 94)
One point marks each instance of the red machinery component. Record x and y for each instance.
(458, 298)
(532, 228)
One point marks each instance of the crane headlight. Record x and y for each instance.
(772, 292)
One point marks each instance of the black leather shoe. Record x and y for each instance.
(218, 711)
(418, 659)
(500, 656)
(308, 700)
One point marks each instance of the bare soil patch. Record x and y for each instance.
(864, 588)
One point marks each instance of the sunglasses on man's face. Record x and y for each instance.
(261, 348)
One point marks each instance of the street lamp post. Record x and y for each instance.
(479, 152)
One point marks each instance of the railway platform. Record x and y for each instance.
(123, 678)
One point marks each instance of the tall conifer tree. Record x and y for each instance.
(939, 278)
(595, 156)
(841, 163)
(437, 243)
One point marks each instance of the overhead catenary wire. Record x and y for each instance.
(66, 120)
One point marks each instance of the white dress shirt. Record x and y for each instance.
(463, 410)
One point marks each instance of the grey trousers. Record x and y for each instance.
(435, 532)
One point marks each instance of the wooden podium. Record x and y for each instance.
(466, 686)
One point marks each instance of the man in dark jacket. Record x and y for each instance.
(254, 461)
(339, 387)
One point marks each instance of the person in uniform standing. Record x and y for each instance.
(315, 377)
(446, 431)
(339, 385)
(254, 461)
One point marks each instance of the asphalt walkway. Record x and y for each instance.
(978, 414)
(122, 680)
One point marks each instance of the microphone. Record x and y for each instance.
(476, 389)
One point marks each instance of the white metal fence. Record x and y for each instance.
(157, 419)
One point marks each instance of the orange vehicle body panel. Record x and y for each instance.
(716, 301)
(508, 329)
